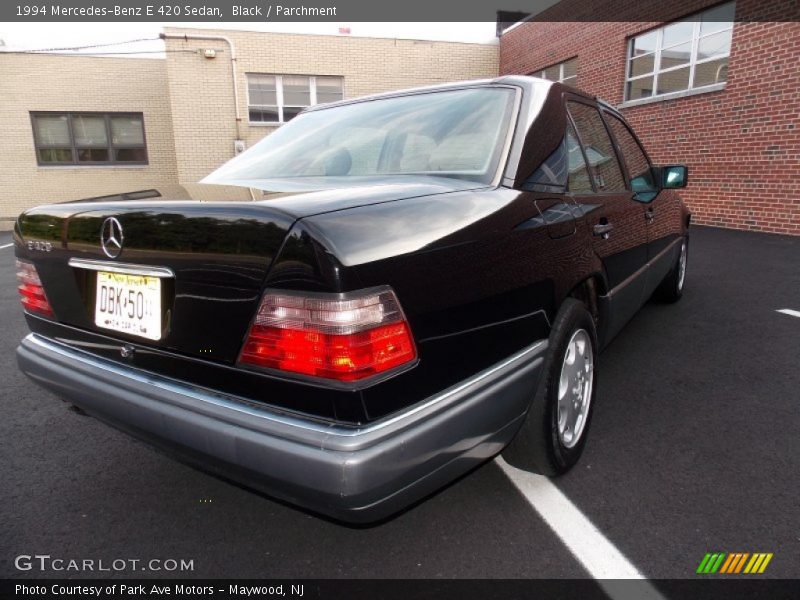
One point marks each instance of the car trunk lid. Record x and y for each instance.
(199, 265)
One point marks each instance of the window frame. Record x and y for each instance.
(75, 148)
(696, 21)
(279, 95)
(586, 166)
(607, 115)
(561, 79)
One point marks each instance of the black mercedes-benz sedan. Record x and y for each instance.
(434, 290)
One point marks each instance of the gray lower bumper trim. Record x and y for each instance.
(351, 473)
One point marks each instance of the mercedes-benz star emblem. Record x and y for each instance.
(111, 237)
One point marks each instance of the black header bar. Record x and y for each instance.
(350, 11)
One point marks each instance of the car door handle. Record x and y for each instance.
(602, 229)
(649, 215)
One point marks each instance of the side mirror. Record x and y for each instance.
(674, 176)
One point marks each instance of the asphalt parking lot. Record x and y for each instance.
(694, 448)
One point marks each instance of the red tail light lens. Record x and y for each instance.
(346, 337)
(31, 291)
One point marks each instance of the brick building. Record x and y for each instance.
(714, 85)
(79, 126)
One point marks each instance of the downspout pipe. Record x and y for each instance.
(220, 38)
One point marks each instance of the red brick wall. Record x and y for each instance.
(741, 144)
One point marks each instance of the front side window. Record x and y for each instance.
(89, 139)
(563, 72)
(639, 171)
(598, 148)
(455, 134)
(280, 98)
(681, 56)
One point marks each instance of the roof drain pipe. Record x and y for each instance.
(238, 143)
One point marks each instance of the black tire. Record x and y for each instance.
(538, 447)
(671, 288)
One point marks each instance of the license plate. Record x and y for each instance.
(129, 304)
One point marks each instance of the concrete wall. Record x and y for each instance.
(59, 83)
(201, 94)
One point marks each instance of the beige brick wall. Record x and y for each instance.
(71, 83)
(187, 101)
(201, 90)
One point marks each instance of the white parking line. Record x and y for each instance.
(593, 550)
(789, 311)
(6, 245)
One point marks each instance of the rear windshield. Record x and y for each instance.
(453, 134)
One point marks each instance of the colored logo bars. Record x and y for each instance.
(736, 562)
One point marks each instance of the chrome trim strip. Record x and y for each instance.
(123, 268)
(453, 391)
(286, 420)
(641, 271)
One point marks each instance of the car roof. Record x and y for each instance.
(523, 81)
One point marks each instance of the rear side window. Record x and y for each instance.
(641, 177)
(578, 181)
(598, 148)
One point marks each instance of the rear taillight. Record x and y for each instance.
(346, 337)
(31, 291)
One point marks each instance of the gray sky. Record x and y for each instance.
(29, 36)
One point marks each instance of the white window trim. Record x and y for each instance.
(279, 96)
(716, 87)
(657, 71)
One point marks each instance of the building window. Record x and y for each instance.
(279, 98)
(563, 72)
(89, 139)
(681, 56)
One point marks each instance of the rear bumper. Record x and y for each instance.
(356, 474)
